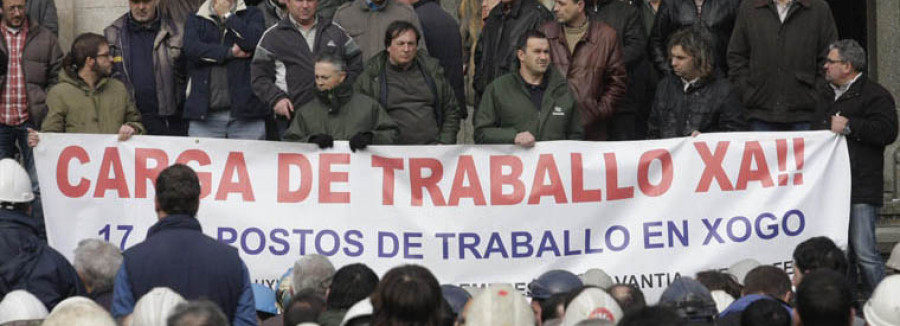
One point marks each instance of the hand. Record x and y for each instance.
(222, 7)
(284, 107)
(695, 133)
(838, 123)
(125, 132)
(324, 141)
(525, 139)
(33, 138)
(239, 53)
(361, 141)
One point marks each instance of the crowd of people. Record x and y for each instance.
(377, 72)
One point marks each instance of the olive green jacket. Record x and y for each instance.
(372, 83)
(76, 108)
(506, 110)
(341, 113)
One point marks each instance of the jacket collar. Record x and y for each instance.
(854, 90)
(336, 97)
(206, 11)
(421, 2)
(557, 31)
(514, 11)
(19, 219)
(364, 5)
(77, 82)
(175, 222)
(764, 3)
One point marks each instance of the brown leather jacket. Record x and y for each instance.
(596, 73)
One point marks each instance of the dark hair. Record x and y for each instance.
(653, 316)
(819, 252)
(197, 313)
(549, 305)
(765, 312)
(351, 284)
(824, 299)
(768, 280)
(698, 45)
(716, 280)
(178, 190)
(407, 295)
(85, 46)
(399, 27)
(530, 34)
(334, 60)
(305, 306)
(631, 300)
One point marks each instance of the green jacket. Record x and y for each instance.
(506, 110)
(372, 83)
(75, 108)
(341, 114)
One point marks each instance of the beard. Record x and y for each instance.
(101, 72)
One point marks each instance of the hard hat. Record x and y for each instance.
(499, 304)
(455, 296)
(894, 260)
(15, 185)
(883, 307)
(596, 277)
(553, 282)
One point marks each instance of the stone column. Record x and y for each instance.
(65, 9)
(885, 67)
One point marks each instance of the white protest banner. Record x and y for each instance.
(645, 212)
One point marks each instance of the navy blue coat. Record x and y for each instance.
(28, 263)
(203, 50)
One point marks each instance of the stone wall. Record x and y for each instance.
(80, 16)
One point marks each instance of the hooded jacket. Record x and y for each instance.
(28, 263)
(41, 64)
(596, 73)
(168, 66)
(506, 110)
(204, 48)
(495, 53)
(76, 108)
(341, 113)
(373, 82)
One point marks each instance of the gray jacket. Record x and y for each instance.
(367, 26)
(43, 12)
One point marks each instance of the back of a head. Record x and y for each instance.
(21, 305)
(883, 308)
(350, 284)
(765, 312)
(305, 307)
(553, 282)
(689, 299)
(78, 311)
(768, 280)
(824, 299)
(197, 313)
(819, 252)
(592, 303)
(715, 280)
(155, 306)
(407, 294)
(97, 262)
(653, 316)
(312, 273)
(499, 304)
(178, 190)
(629, 297)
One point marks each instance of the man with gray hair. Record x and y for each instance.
(864, 112)
(197, 313)
(312, 273)
(97, 262)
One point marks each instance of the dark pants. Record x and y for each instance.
(623, 126)
(164, 126)
(759, 125)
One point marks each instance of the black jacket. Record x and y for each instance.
(495, 53)
(176, 254)
(709, 105)
(873, 125)
(28, 263)
(444, 43)
(717, 17)
(626, 20)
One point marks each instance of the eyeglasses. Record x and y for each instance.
(104, 55)
(831, 62)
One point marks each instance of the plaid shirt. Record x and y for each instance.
(13, 99)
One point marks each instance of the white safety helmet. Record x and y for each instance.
(883, 307)
(15, 185)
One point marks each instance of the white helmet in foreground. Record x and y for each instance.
(15, 185)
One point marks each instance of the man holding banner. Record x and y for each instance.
(864, 112)
(506, 114)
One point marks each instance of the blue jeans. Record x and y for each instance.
(221, 125)
(759, 125)
(863, 252)
(17, 136)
